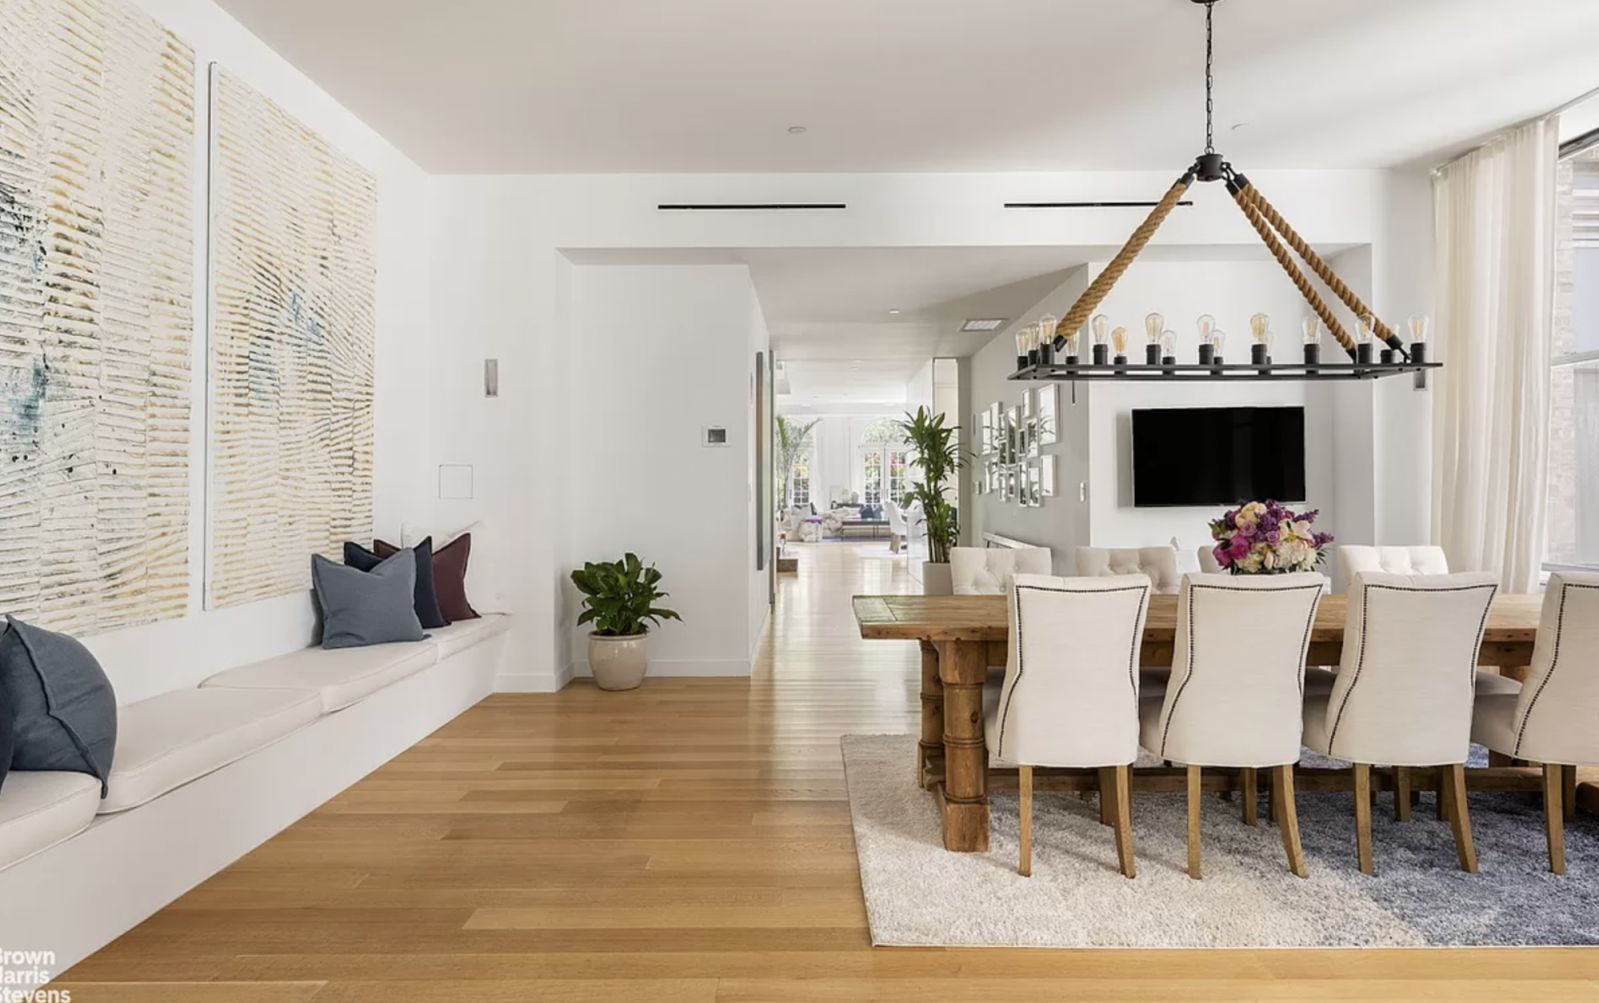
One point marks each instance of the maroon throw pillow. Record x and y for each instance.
(449, 575)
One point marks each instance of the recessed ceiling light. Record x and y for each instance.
(984, 324)
(796, 130)
(893, 313)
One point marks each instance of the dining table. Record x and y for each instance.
(960, 637)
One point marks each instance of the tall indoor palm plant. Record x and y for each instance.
(937, 458)
(793, 439)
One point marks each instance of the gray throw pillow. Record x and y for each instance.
(367, 607)
(64, 711)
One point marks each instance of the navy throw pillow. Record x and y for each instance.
(426, 597)
(366, 607)
(63, 709)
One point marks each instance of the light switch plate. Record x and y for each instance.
(455, 480)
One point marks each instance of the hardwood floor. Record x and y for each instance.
(687, 841)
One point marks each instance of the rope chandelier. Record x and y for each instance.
(1280, 238)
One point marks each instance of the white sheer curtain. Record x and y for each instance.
(1495, 224)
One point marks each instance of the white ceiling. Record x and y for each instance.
(951, 85)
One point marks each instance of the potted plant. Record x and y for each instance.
(619, 599)
(1264, 538)
(937, 458)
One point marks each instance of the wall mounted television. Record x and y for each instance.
(1217, 455)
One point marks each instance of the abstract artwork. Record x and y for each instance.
(293, 292)
(96, 314)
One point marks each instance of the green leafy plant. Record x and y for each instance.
(793, 439)
(937, 460)
(620, 596)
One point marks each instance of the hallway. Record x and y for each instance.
(688, 841)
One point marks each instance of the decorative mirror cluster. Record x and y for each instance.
(1010, 459)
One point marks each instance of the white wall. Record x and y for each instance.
(641, 480)
(143, 661)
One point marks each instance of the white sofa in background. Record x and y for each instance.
(203, 775)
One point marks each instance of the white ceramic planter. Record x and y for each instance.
(619, 663)
(936, 579)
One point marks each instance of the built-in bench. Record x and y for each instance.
(203, 775)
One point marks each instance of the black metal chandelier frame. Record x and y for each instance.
(1051, 361)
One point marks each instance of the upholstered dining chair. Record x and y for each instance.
(1234, 697)
(896, 525)
(1404, 690)
(1069, 697)
(1550, 719)
(1159, 563)
(984, 571)
(1354, 559)
(1207, 561)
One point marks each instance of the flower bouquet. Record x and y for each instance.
(1264, 538)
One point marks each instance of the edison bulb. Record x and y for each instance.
(1118, 340)
(1420, 327)
(1218, 339)
(1206, 325)
(1154, 324)
(1260, 328)
(1100, 325)
(1363, 329)
(1312, 328)
(1168, 344)
(1047, 325)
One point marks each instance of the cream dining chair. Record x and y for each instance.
(1404, 689)
(1159, 563)
(1234, 697)
(1550, 719)
(1354, 559)
(983, 571)
(1069, 696)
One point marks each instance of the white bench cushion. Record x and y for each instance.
(462, 634)
(341, 676)
(169, 740)
(39, 810)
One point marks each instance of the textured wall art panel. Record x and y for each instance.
(293, 293)
(96, 321)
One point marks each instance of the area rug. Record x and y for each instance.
(919, 894)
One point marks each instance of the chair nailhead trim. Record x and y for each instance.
(1554, 660)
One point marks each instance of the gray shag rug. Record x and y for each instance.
(917, 894)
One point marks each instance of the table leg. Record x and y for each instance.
(963, 796)
(930, 749)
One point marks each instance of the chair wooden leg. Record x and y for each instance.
(1123, 796)
(1554, 817)
(1249, 794)
(1282, 783)
(1568, 795)
(1024, 787)
(1107, 794)
(1271, 803)
(1363, 817)
(1402, 793)
(1441, 805)
(1195, 798)
(1453, 779)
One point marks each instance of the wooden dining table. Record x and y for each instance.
(961, 636)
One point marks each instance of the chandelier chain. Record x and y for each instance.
(1210, 81)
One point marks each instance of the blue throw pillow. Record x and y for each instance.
(7, 744)
(426, 596)
(63, 709)
(367, 607)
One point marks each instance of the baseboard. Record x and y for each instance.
(86, 891)
(679, 667)
(532, 682)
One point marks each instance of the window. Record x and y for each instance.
(872, 475)
(898, 483)
(1573, 485)
(799, 481)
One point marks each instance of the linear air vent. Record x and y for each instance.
(1088, 205)
(983, 324)
(746, 206)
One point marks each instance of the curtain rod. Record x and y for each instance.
(1558, 110)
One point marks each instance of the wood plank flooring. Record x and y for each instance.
(689, 841)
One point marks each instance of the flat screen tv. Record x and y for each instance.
(1218, 455)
